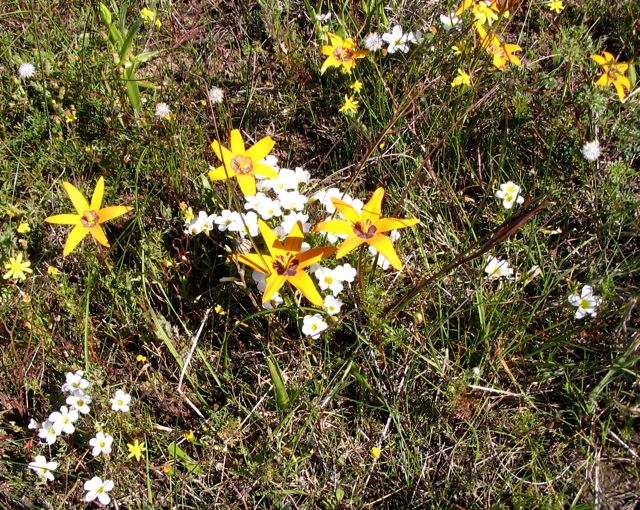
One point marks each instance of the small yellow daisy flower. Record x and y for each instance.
(23, 228)
(356, 86)
(16, 268)
(350, 105)
(462, 79)
(376, 452)
(136, 450)
(555, 5)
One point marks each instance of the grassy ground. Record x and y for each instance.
(478, 393)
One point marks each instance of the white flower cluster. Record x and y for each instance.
(64, 421)
(285, 205)
(397, 40)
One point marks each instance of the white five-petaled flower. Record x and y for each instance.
(313, 325)
(332, 305)
(586, 302)
(26, 70)
(43, 468)
(450, 22)
(591, 150)
(63, 420)
(216, 95)
(509, 193)
(328, 280)
(373, 42)
(96, 488)
(75, 382)
(397, 40)
(202, 223)
(101, 443)
(79, 401)
(497, 268)
(162, 111)
(48, 432)
(120, 401)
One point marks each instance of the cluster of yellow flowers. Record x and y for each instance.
(286, 260)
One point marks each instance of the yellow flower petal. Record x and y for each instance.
(63, 219)
(274, 283)
(384, 245)
(303, 282)
(261, 149)
(98, 194)
(77, 198)
(237, 143)
(113, 211)
(76, 235)
(373, 207)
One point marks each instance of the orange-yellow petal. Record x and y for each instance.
(256, 261)
(314, 255)
(64, 219)
(247, 184)
(77, 198)
(98, 194)
(274, 283)
(599, 59)
(619, 89)
(271, 240)
(387, 224)
(261, 149)
(76, 235)
(347, 210)
(348, 245)
(303, 282)
(334, 227)
(373, 207)
(113, 211)
(220, 173)
(294, 239)
(265, 170)
(603, 81)
(98, 234)
(237, 143)
(384, 245)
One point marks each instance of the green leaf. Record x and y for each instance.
(189, 463)
(124, 50)
(105, 14)
(282, 397)
(133, 91)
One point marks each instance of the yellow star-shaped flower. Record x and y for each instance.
(89, 217)
(340, 53)
(285, 262)
(365, 227)
(136, 450)
(613, 73)
(243, 164)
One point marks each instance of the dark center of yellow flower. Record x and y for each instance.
(241, 165)
(343, 54)
(89, 219)
(364, 229)
(286, 265)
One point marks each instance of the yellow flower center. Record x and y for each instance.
(241, 165)
(89, 219)
(584, 303)
(286, 265)
(364, 229)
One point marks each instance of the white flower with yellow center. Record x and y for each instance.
(586, 302)
(509, 193)
(313, 325)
